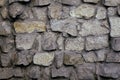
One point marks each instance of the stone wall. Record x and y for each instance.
(59, 39)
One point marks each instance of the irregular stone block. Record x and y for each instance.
(49, 41)
(72, 58)
(83, 11)
(29, 26)
(60, 42)
(23, 58)
(111, 11)
(5, 60)
(44, 59)
(111, 2)
(101, 13)
(86, 71)
(6, 73)
(61, 72)
(4, 13)
(18, 72)
(65, 26)
(115, 26)
(55, 11)
(115, 43)
(74, 44)
(41, 2)
(25, 41)
(93, 28)
(5, 28)
(38, 44)
(15, 10)
(2, 2)
(91, 1)
(99, 42)
(71, 2)
(12, 1)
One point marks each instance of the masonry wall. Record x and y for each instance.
(59, 39)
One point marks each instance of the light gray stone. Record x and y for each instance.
(12, 1)
(83, 11)
(41, 2)
(99, 42)
(115, 26)
(91, 1)
(101, 13)
(115, 43)
(93, 28)
(60, 42)
(49, 41)
(65, 26)
(71, 2)
(111, 2)
(25, 41)
(44, 59)
(74, 44)
(111, 11)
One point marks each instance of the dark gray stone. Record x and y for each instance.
(18, 72)
(5, 60)
(115, 43)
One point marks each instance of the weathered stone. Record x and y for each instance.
(101, 13)
(73, 75)
(86, 71)
(61, 72)
(115, 43)
(111, 2)
(5, 60)
(74, 44)
(12, 1)
(115, 26)
(2, 2)
(111, 11)
(5, 28)
(109, 70)
(93, 28)
(113, 57)
(90, 57)
(72, 58)
(40, 13)
(18, 72)
(91, 1)
(4, 13)
(60, 42)
(65, 26)
(49, 41)
(96, 42)
(29, 26)
(44, 59)
(83, 11)
(59, 59)
(34, 72)
(65, 12)
(55, 11)
(71, 2)
(45, 73)
(23, 58)
(39, 43)
(25, 41)
(15, 10)
(6, 73)
(118, 10)
(41, 2)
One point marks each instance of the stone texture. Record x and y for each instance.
(101, 13)
(60, 42)
(115, 26)
(38, 44)
(71, 2)
(18, 72)
(118, 10)
(72, 58)
(99, 42)
(111, 2)
(61, 72)
(91, 1)
(6, 73)
(111, 11)
(44, 59)
(25, 41)
(49, 41)
(4, 13)
(12, 1)
(15, 10)
(84, 70)
(82, 11)
(55, 11)
(5, 28)
(23, 58)
(93, 28)
(41, 2)
(115, 43)
(74, 44)
(29, 26)
(65, 26)
(2, 2)
(5, 60)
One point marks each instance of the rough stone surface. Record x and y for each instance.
(29, 26)
(93, 28)
(71, 2)
(91, 1)
(99, 42)
(25, 41)
(111, 11)
(119, 10)
(74, 44)
(12, 1)
(41, 2)
(101, 13)
(2, 2)
(82, 11)
(18, 72)
(112, 2)
(116, 44)
(44, 59)
(5, 60)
